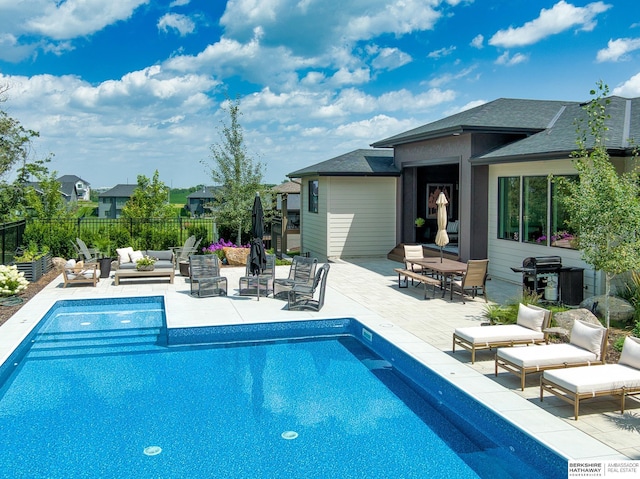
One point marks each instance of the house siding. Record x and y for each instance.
(313, 226)
(504, 254)
(361, 216)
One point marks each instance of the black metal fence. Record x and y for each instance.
(11, 238)
(142, 234)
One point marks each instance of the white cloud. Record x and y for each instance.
(175, 21)
(442, 52)
(477, 42)
(179, 3)
(508, 60)
(450, 77)
(559, 18)
(617, 49)
(465, 107)
(630, 88)
(74, 18)
(390, 59)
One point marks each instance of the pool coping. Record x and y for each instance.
(548, 429)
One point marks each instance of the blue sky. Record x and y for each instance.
(120, 88)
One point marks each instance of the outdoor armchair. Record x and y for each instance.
(302, 272)
(474, 279)
(249, 284)
(301, 297)
(204, 276)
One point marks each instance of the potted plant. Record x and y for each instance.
(146, 263)
(420, 222)
(33, 262)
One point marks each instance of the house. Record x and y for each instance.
(74, 188)
(110, 202)
(199, 202)
(348, 205)
(494, 161)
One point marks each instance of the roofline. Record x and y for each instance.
(341, 173)
(548, 155)
(452, 131)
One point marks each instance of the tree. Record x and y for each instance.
(239, 177)
(149, 200)
(604, 205)
(15, 148)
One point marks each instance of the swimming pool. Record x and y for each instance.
(103, 389)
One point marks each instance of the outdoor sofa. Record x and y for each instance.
(127, 258)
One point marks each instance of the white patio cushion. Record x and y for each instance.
(136, 255)
(630, 355)
(547, 355)
(530, 318)
(499, 333)
(594, 379)
(587, 336)
(123, 254)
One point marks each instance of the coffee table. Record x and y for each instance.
(134, 273)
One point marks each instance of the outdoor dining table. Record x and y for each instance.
(445, 268)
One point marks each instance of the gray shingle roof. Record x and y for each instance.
(559, 139)
(365, 162)
(501, 115)
(119, 191)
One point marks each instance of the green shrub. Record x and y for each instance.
(631, 293)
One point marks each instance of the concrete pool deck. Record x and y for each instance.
(366, 289)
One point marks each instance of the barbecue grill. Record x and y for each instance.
(538, 271)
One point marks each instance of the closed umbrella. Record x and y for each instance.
(442, 238)
(257, 256)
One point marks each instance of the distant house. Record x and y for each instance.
(348, 205)
(110, 202)
(199, 202)
(74, 188)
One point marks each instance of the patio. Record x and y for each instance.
(367, 289)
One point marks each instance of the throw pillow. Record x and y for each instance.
(530, 318)
(630, 355)
(587, 336)
(70, 264)
(135, 256)
(123, 254)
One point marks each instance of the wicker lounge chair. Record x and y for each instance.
(248, 284)
(587, 346)
(529, 329)
(302, 272)
(621, 379)
(301, 296)
(204, 275)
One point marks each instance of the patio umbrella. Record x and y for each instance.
(442, 238)
(257, 256)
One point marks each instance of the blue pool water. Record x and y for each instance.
(102, 389)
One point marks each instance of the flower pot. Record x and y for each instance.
(145, 267)
(105, 267)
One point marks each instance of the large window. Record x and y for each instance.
(534, 209)
(313, 196)
(531, 210)
(509, 208)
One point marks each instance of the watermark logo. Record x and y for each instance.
(613, 469)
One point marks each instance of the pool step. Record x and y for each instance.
(96, 343)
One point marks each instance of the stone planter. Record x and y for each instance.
(145, 267)
(34, 270)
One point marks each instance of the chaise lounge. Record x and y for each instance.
(529, 329)
(587, 346)
(621, 379)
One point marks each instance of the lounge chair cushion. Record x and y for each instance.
(123, 254)
(70, 264)
(135, 256)
(530, 318)
(161, 255)
(630, 355)
(539, 357)
(587, 336)
(594, 379)
(501, 333)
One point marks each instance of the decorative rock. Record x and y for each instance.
(620, 310)
(58, 263)
(236, 256)
(565, 319)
